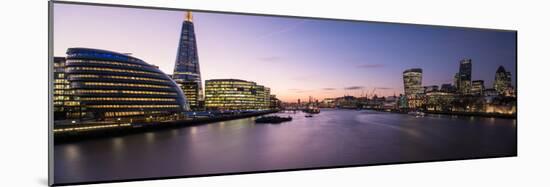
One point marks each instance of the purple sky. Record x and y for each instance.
(296, 58)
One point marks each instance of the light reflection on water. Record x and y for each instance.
(331, 138)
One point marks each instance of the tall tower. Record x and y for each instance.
(465, 76)
(412, 81)
(187, 72)
(503, 81)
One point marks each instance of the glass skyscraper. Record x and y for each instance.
(465, 76)
(503, 81)
(412, 80)
(187, 72)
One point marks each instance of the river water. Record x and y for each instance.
(331, 138)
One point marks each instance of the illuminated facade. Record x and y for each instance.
(412, 80)
(187, 72)
(262, 96)
(478, 86)
(465, 76)
(503, 82)
(274, 103)
(234, 94)
(191, 91)
(111, 85)
(439, 101)
(64, 103)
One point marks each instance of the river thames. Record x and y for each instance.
(331, 138)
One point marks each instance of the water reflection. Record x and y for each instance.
(331, 138)
(150, 137)
(71, 152)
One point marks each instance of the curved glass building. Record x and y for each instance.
(111, 85)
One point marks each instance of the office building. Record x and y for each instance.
(412, 80)
(503, 82)
(478, 86)
(465, 76)
(235, 94)
(111, 85)
(64, 103)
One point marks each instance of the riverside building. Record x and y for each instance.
(114, 86)
(412, 80)
(235, 94)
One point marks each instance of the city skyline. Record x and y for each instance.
(366, 56)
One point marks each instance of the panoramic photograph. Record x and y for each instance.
(149, 93)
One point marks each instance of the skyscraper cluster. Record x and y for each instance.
(417, 96)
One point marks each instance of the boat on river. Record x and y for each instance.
(312, 110)
(272, 119)
(417, 114)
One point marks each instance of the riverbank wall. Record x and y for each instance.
(81, 133)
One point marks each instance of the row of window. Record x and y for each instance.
(66, 103)
(120, 114)
(110, 70)
(59, 75)
(118, 77)
(124, 84)
(125, 99)
(227, 97)
(124, 92)
(133, 106)
(61, 86)
(63, 92)
(105, 62)
(135, 78)
(228, 103)
(233, 96)
(61, 81)
(131, 113)
(214, 83)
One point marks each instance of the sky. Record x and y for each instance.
(295, 57)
